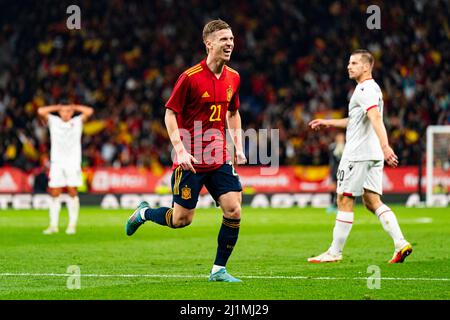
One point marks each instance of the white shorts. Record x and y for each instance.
(62, 176)
(355, 176)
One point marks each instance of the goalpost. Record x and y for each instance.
(438, 166)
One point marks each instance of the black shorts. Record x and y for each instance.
(186, 185)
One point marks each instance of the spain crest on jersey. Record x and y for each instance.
(186, 193)
(229, 93)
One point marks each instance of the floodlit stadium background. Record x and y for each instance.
(292, 60)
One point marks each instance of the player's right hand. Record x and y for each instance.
(185, 160)
(240, 158)
(318, 124)
(390, 157)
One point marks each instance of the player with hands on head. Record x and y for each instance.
(65, 159)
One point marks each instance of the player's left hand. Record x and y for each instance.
(390, 157)
(240, 158)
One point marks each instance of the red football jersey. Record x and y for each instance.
(201, 101)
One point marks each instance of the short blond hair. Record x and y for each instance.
(213, 26)
(366, 56)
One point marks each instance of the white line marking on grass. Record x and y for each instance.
(103, 275)
(205, 276)
(424, 220)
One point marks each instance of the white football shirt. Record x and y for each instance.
(362, 142)
(65, 141)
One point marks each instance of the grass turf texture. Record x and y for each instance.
(270, 257)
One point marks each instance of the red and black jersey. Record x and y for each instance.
(201, 101)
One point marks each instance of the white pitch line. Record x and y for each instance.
(205, 276)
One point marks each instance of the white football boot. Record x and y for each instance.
(326, 257)
(71, 230)
(51, 230)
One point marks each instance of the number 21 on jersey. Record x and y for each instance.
(215, 112)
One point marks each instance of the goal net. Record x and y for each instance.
(438, 166)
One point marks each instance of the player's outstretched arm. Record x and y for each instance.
(235, 129)
(185, 159)
(377, 122)
(86, 111)
(318, 124)
(44, 111)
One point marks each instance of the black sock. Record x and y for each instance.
(226, 240)
(162, 216)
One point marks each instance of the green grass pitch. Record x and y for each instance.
(270, 257)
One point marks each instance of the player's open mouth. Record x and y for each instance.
(227, 51)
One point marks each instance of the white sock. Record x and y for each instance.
(216, 268)
(342, 227)
(390, 225)
(73, 206)
(142, 213)
(54, 208)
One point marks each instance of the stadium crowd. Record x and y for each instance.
(292, 59)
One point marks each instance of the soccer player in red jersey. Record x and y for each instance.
(204, 101)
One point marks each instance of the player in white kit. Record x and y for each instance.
(360, 170)
(65, 159)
